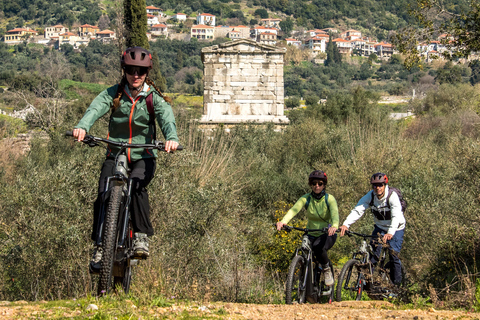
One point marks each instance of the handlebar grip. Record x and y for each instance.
(69, 134)
(179, 148)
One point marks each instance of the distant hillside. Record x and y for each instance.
(373, 17)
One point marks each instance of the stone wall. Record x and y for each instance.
(243, 83)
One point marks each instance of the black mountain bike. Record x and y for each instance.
(358, 275)
(306, 280)
(115, 225)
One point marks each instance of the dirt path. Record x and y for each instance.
(237, 311)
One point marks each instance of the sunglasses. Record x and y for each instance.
(377, 185)
(316, 183)
(132, 70)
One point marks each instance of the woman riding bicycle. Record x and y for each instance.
(320, 214)
(133, 103)
(388, 217)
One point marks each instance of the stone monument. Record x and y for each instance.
(243, 83)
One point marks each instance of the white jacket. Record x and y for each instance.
(397, 221)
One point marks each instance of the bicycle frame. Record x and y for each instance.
(118, 256)
(364, 268)
(310, 285)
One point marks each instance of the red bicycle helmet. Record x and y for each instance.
(379, 178)
(136, 56)
(317, 175)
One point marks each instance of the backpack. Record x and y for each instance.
(151, 112)
(403, 202)
(310, 197)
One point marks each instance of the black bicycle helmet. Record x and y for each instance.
(317, 175)
(379, 178)
(136, 56)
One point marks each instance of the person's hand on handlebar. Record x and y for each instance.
(280, 225)
(79, 134)
(342, 230)
(387, 237)
(171, 146)
(331, 231)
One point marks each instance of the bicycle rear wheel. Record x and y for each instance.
(350, 282)
(109, 239)
(294, 289)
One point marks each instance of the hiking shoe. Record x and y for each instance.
(328, 275)
(140, 245)
(95, 263)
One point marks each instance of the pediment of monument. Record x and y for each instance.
(243, 46)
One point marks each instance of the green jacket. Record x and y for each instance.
(318, 214)
(130, 121)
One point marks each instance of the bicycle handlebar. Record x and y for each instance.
(290, 228)
(350, 233)
(93, 141)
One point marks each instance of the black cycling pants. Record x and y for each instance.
(320, 246)
(142, 173)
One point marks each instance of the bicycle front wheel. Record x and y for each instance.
(123, 275)
(350, 282)
(109, 239)
(295, 289)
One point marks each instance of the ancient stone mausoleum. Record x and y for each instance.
(243, 83)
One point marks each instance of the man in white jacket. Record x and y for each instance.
(388, 217)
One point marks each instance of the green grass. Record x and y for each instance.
(73, 88)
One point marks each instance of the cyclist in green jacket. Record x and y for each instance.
(320, 214)
(130, 122)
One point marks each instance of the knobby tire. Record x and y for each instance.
(126, 269)
(295, 277)
(350, 282)
(109, 239)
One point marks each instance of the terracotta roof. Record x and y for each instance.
(21, 29)
(106, 32)
(207, 14)
(180, 14)
(89, 26)
(161, 25)
(340, 40)
(58, 26)
(67, 34)
(202, 26)
(152, 7)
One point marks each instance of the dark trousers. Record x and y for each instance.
(394, 252)
(142, 173)
(320, 246)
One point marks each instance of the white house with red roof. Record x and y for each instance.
(160, 30)
(152, 19)
(202, 32)
(293, 42)
(317, 44)
(17, 35)
(105, 35)
(54, 31)
(155, 11)
(344, 46)
(179, 16)
(384, 49)
(351, 35)
(268, 38)
(261, 29)
(206, 19)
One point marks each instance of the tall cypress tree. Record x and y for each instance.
(136, 23)
(330, 52)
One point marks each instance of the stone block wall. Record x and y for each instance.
(243, 83)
